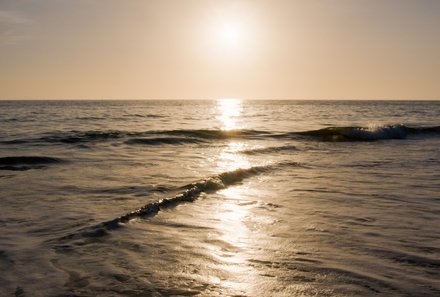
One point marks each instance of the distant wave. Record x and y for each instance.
(155, 137)
(189, 193)
(15, 141)
(173, 137)
(217, 134)
(26, 162)
(80, 136)
(163, 140)
(124, 117)
(144, 116)
(271, 149)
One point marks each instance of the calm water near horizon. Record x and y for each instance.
(220, 198)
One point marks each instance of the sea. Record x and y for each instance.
(219, 198)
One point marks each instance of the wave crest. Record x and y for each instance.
(188, 136)
(368, 133)
(189, 193)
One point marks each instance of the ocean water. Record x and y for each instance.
(219, 198)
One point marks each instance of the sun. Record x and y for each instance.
(230, 34)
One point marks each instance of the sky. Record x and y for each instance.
(210, 49)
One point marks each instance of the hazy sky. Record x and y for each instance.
(297, 49)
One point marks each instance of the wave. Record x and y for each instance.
(408, 258)
(271, 149)
(154, 137)
(189, 193)
(14, 141)
(216, 134)
(182, 136)
(26, 162)
(163, 140)
(79, 136)
(143, 116)
(371, 133)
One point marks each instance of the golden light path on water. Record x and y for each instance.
(228, 113)
(232, 213)
(229, 117)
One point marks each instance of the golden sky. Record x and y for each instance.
(278, 49)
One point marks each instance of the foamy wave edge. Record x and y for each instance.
(373, 132)
(190, 193)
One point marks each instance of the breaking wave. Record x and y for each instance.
(367, 133)
(189, 193)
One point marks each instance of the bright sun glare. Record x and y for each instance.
(228, 113)
(230, 34)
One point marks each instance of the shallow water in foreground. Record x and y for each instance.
(219, 198)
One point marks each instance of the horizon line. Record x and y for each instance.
(213, 99)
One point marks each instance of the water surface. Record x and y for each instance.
(219, 198)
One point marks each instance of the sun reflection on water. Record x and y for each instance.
(232, 213)
(231, 216)
(230, 159)
(228, 113)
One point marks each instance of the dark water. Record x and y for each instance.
(219, 198)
